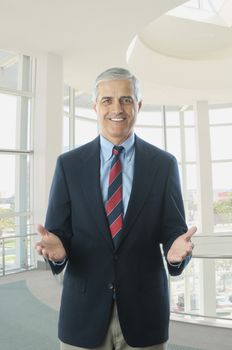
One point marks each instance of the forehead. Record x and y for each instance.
(115, 88)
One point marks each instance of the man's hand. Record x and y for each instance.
(50, 245)
(181, 247)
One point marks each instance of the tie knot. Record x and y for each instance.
(117, 150)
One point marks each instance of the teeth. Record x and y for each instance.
(116, 119)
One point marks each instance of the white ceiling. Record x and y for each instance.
(182, 38)
(177, 60)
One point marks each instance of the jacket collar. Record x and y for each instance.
(144, 169)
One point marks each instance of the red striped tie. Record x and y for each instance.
(114, 205)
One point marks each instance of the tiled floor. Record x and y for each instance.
(42, 284)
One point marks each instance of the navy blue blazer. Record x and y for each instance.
(134, 271)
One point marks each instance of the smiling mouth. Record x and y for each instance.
(117, 119)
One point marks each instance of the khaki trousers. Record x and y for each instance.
(114, 339)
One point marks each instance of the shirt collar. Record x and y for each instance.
(106, 147)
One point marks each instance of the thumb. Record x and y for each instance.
(42, 230)
(190, 233)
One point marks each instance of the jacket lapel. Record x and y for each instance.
(92, 191)
(144, 170)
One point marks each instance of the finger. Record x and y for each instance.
(176, 259)
(189, 250)
(42, 230)
(190, 233)
(45, 253)
(38, 245)
(183, 256)
(39, 250)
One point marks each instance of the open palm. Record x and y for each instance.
(50, 245)
(181, 247)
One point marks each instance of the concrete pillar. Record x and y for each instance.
(48, 122)
(205, 206)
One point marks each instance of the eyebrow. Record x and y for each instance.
(129, 96)
(105, 97)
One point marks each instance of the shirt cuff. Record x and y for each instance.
(175, 264)
(58, 263)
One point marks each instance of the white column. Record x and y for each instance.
(21, 163)
(48, 123)
(204, 169)
(205, 206)
(207, 287)
(183, 164)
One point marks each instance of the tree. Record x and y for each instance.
(6, 220)
(223, 210)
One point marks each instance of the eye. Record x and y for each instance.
(127, 100)
(106, 101)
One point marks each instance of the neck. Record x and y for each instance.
(116, 140)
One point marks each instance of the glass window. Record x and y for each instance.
(222, 175)
(220, 115)
(8, 115)
(222, 196)
(15, 161)
(66, 99)
(189, 118)
(82, 100)
(15, 71)
(66, 133)
(172, 118)
(174, 142)
(9, 63)
(149, 125)
(153, 118)
(177, 294)
(14, 121)
(151, 135)
(190, 144)
(85, 131)
(185, 290)
(85, 112)
(221, 142)
(223, 287)
(192, 200)
(12, 260)
(185, 296)
(14, 182)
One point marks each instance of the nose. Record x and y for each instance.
(117, 107)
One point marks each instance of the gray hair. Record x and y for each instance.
(117, 74)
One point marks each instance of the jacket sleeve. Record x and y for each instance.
(58, 217)
(173, 216)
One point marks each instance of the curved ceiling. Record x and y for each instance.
(182, 38)
(177, 60)
(183, 60)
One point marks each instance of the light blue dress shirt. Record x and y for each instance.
(127, 160)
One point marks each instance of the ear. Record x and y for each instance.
(95, 106)
(140, 105)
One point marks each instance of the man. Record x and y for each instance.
(112, 203)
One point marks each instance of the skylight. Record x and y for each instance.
(217, 12)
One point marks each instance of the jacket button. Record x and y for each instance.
(110, 286)
(115, 257)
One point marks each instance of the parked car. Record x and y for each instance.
(224, 300)
(194, 302)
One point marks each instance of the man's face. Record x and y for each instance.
(116, 108)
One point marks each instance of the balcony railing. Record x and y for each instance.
(203, 292)
(17, 253)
